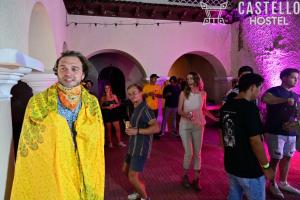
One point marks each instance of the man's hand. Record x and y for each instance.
(291, 126)
(131, 131)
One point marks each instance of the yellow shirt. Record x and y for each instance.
(152, 102)
(47, 166)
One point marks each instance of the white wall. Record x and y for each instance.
(241, 55)
(14, 20)
(41, 41)
(155, 47)
(15, 23)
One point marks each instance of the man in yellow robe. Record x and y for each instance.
(61, 147)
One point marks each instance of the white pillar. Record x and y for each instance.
(13, 65)
(39, 81)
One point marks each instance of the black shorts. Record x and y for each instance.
(112, 115)
(135, 163)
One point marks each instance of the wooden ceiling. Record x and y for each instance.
(111, 8)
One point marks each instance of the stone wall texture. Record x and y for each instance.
(273, 47)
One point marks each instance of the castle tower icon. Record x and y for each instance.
(213, 6)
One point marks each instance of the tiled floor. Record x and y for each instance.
(163, 172)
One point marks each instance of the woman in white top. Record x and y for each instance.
(192, 108)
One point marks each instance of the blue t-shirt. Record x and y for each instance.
(171, 100)
(71, 116)
(140, 145)
(278, 114)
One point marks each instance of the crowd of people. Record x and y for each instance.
(61, 147)
(243, 135)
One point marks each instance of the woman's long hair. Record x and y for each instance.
(107, 84)
(198, 83)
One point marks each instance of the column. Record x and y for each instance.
(13, 65)
(39, 81)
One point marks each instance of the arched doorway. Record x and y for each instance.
(209, 69)
(115, 77)
(116, 67)
(120, 69)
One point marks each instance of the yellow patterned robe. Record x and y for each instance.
(47, 165)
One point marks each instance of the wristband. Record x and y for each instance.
(266, 166)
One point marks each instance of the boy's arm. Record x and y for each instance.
(259, 151)
(269, 98)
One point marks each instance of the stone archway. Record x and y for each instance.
(116, 78)
(209, 67)
(41, 43)
(131, 69)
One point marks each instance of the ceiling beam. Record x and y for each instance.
(134, 9)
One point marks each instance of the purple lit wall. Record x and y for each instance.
(273, 48)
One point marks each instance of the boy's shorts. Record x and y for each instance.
(136, 163)
(281, 145)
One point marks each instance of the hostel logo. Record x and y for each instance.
(268, 12)
(213, 6)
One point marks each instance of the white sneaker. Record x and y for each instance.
(122, 144)
(133, 196)
(288, 188)
(275, 191)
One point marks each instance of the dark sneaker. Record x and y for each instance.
(156, 136)
(196, 185)
(186, 182)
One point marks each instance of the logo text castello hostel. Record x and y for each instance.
(269, 12)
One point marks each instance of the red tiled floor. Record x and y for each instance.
(163, 172)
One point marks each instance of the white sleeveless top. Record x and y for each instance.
(194, 104)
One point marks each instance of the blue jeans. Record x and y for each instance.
(253, 188)
(167, 113)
